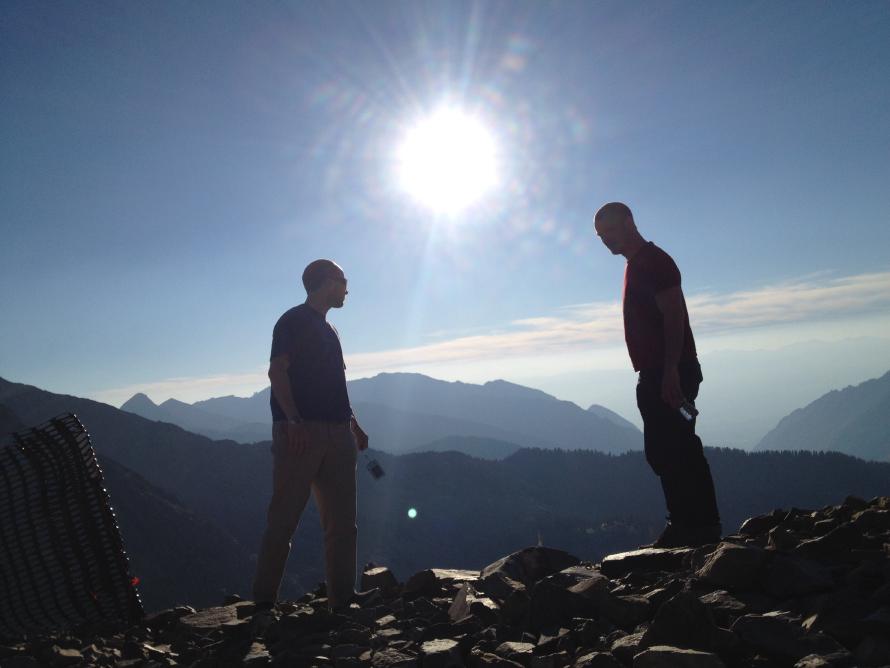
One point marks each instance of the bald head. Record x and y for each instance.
(316, 272)
(614, 224)
(613, 212)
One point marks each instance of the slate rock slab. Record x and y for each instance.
(646, 559)
(663, 656)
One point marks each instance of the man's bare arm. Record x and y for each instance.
(670, 303)
(297, 435)
(281, 386)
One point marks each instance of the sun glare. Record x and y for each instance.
(447, 161)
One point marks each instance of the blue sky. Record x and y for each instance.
(169, 168)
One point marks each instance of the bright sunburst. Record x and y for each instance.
(447, 161)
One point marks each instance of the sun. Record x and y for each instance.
(447, 161)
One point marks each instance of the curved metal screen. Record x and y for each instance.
(62, 562)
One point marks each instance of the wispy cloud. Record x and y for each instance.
(599, 323)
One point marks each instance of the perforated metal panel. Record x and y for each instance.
(62, 562)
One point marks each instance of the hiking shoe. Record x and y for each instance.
(264, 616)
(679, 535)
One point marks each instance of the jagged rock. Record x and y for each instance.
(734, 566)
(467, 602)
(454, 577)
(209, 618)
(393, 658)
(597, 660)
(62, 656)
(780, 538)
(660, 594)
(379, 576)
(625, 611)
(724, 607)
(761, 524)
(626, 647)
(845, 618)
(554, 660)
(441, 653)
(530, 565)
(256, 656)
(548, 643)
(781, 634)
(499, 586)
(515, 651)
(788, 576)
(422, 583)
(834, 545)
(489, 660)
(551, 604)
(824, 661)
(683, 621)
(646, 559)
(662, 656)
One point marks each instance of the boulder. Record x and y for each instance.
(597, 660)
(644, 560)
(789, 576)
(379, 576)
(625, 611)
(683, 621)
(393, 658)
(530, 565)
(760, 525)
(663, 656)
(781, 634)
(441, 653)
(627, 647)
(724, 607)
(734, 566)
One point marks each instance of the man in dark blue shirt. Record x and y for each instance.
(315, 438)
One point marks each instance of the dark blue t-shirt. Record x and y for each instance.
(317, 373)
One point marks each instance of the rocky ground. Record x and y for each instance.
(793, 588)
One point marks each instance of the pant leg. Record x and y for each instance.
(335, 494)
(675, 452)
(291, 481)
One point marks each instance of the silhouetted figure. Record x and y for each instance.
(662, 349)
(314, 439)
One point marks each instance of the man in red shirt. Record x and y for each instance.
(662, 349)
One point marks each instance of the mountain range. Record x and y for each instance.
(191, 509)
(408, 412)
(854, 420)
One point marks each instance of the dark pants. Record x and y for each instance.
(674, 451)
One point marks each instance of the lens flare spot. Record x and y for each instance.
(412, 513)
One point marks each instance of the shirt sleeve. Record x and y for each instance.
(665, 274)
(283, 338)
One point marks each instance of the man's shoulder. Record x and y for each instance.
(294, 316)
(656, 257)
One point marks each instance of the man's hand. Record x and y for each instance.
(361, 438)
(297, 437)
(671, 392)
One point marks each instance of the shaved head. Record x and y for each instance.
(613, 212)
(316, 272)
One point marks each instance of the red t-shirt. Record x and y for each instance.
(647, 273)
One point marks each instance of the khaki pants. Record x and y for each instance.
(327, 467)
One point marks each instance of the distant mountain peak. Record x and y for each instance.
(137, 401)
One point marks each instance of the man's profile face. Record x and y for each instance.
(336, 286)
(613, 234)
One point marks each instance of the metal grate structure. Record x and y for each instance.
(62, 562)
